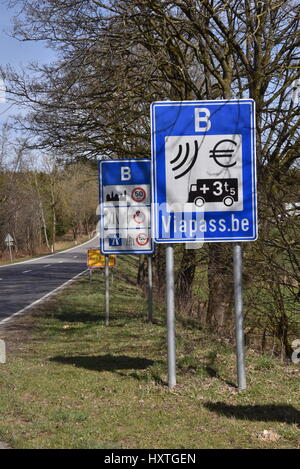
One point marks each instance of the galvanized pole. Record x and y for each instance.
(239, 320)
(106, 291)
(150, 286)
(170, 316)
(10, 254)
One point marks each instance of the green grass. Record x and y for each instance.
(72, 382)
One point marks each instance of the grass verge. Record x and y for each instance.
(72, 382)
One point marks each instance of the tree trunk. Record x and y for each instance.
(159, 260)
(53, 229)
(184, 281)
(142, 270)
(41, 211)
(44, 225)
(220, 283)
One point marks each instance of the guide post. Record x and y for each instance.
(125, 213)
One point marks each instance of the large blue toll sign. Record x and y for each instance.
(125, 206)
(204, 171)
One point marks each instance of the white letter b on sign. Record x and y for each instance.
(202, 122)
(125, 173)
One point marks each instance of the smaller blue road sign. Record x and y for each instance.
(204, 171)
(125, 207)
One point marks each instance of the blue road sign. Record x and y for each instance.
(204, 171)
(125, 207)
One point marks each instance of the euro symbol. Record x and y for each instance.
(217, 153)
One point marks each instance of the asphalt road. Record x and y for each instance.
(23, 283)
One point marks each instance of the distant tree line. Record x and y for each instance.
(39, 206)
(115, 57)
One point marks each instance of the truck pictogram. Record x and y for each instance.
(214, 190)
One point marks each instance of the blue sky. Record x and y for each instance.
(16, 53)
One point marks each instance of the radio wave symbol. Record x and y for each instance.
(185, 158)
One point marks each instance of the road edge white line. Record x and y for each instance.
(49, 255)
(52, 292)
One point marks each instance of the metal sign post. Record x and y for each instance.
(150, 292)
(239, 320)
(106, 291)
(171, 316)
